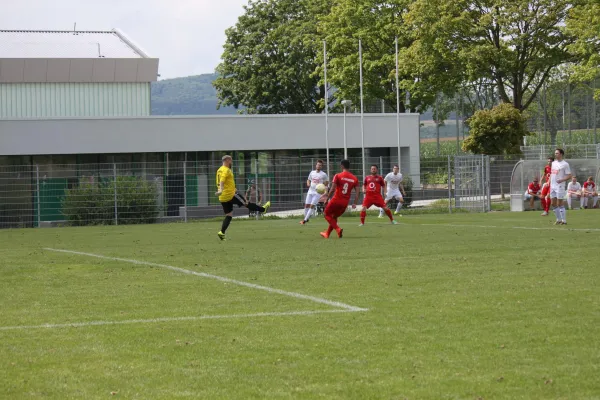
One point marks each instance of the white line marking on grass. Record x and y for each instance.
(219, 278)
(529, 228)
(170, 319)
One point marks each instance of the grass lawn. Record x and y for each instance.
(462, 306)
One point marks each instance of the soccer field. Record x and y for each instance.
(465, 306)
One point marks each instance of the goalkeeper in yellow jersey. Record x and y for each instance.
(228, 195)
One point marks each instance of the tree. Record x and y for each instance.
(584, 24)
(513, 43)
(496, 131)
(377, 24)
(270, 57)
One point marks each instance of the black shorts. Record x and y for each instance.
(236, 200)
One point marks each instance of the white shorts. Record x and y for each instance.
(393, 194)
(312, 199)
(557, 193)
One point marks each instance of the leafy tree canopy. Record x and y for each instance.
(496, 131)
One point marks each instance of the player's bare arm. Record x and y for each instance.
(308, 183)
(357, 191)
(331, 192)
(402, 189)
(221, 187)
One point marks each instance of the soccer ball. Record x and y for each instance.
(321, 189)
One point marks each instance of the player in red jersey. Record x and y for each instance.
(342, 186)
(545, 198)
(547, 170)
(372, 189)
(589, 192)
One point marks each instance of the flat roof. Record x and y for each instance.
(67, 44)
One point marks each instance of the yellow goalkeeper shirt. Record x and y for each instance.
(225, 175)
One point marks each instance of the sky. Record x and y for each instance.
(187, 35)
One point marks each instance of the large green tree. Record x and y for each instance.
(584, 24)
(269, 59)
(513, 43)
(377, 24)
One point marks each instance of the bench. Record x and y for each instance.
(518, 203)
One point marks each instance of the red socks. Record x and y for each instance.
(388, 212)
(363, 215)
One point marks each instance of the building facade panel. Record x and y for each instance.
(66, 100)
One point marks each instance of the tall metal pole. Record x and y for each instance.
(362, 124)
(449, 187)
(457, 125)
(398, 104)
(326, 104)
(115, 190)
(569, 112)
(37, 189)
(256, 185)
(345, 144)
(594, 116)
(185, 205)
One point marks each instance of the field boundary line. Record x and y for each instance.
(168, 319)
(528, 228)
(314, 299)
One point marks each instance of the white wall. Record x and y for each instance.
(210, 133)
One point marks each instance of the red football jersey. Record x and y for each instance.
(547, 172)
(345, 182)
(373, 185)
(533, 188)
(589, 186)
(546, 189)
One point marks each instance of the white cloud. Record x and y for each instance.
(187, 35)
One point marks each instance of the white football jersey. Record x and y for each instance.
(393, 181)
(576, 187)
(316, 178)
(560, 170)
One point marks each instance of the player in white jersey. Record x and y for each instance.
(393, 187)
(561, 173)
(315, 178)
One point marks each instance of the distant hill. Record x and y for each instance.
(191, 95)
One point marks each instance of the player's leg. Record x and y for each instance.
(555, 206)
(241, 202)
(584, 200)
(363, 211)
(381, 203)
(544, 200)
(307, 210)
(594, 200)
(400, 203)
(311, 202)
(331, 216)
(570, 200)
(228, 210)
(561, 207)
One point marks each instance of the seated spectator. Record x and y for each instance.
(589, 192)
(253, 194)
(533, 191)
(573, 191)
(545, 198)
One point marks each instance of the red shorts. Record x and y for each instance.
(335, 209)
(376, 201)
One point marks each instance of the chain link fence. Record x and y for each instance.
(151, 192)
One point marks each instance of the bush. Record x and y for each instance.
(496, 131)
(94, 203)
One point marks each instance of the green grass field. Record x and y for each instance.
(466, 306)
